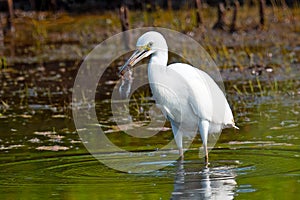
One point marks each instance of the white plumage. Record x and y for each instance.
(187, 96)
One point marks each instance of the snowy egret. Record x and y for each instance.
(188, 97)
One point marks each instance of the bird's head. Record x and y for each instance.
(149, 43)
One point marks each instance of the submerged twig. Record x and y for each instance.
(198, 12)
(233, 27)
(262, 5)
(220, 24)
(124, 18)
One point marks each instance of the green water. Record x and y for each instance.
(41, 153)
(42, 158)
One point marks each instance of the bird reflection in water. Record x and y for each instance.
(209, 183)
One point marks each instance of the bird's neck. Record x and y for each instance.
(159, 59)
(156, 69)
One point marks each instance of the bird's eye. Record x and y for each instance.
(148, 46)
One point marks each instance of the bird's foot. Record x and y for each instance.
(206, 164)
(206, 161)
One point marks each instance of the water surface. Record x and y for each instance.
(42, 155)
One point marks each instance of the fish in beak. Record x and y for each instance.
(138, 55)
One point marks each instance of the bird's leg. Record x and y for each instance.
(203, 126)
(178, 138)
(181, 154)
(206, 154)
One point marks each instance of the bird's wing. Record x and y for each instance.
(206, 98)
(169, 92)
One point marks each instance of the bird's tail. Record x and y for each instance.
(231, 125)
(234, 126)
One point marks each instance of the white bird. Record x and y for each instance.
(188, 97)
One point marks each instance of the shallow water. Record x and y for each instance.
(42, 155)
(241, 173)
